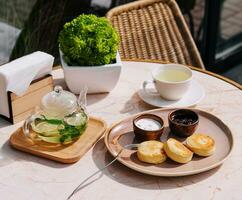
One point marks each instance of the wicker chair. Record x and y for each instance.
(154, 30)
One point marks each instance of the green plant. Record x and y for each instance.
(89, 40)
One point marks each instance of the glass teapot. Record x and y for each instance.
(62, 117)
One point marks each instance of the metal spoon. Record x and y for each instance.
(102, 169)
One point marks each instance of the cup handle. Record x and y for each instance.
(145, 83)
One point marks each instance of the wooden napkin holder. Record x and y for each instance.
(21, 106)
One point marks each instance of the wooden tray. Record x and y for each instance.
(122, 134)
(57, 152)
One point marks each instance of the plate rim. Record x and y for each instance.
(171, 106)
(179, 174)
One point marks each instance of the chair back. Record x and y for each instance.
(154, 30)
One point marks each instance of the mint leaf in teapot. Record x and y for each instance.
(52, 121)
(69, 133)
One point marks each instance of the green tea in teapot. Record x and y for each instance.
(62, 117)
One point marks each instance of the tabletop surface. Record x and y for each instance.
(23, 176)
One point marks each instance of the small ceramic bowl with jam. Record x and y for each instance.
(148, 127)
(183, 122)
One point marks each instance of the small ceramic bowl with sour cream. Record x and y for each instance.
(148, 127)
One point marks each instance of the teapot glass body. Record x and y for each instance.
(62, 117)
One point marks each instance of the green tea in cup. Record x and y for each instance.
(171, 80)
(172, 75)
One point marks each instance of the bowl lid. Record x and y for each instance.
(58, 103)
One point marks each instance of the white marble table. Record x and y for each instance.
(23, 176)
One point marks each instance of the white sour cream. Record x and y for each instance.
(148, 124)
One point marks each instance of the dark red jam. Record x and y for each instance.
(184, 119)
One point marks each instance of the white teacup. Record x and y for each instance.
(171, 81)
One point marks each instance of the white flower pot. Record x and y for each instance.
(98, 79)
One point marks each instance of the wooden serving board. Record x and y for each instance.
(69, 153)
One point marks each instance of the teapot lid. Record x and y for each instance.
(58, 103)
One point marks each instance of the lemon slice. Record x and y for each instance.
(76, 120)
(50, 134)
(55, 139)
(151, 152)
(73, 121)
(45, 127)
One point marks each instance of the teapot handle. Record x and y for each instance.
(29, 120)
(82, 99)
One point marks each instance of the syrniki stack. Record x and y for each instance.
(151, 152)
(176, 151)
(200, 144)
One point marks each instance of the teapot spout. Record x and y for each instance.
(82, 99)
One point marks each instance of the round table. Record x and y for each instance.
(23, 176)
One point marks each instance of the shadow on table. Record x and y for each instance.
(134, 105)
(9, 155)
(4, 123)
(94, 98)
(126, 176)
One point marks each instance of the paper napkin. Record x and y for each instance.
(17, 75)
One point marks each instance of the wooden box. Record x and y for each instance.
(21, 106)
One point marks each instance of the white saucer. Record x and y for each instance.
(193, 96)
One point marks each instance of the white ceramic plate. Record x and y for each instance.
(121, 134)
(193, 96)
